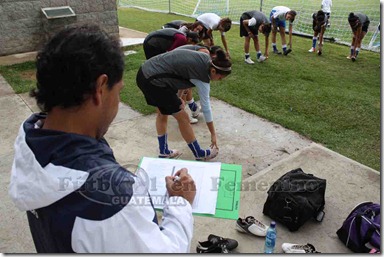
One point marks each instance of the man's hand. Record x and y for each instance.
(184, 186)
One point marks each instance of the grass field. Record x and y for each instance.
(339, 30)
(328, 99)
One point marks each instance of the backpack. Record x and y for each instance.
(295, 198)
(360, 232)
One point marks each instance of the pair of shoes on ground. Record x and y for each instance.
(248, 60)
(297, 248)
(216, 244)
(250, 225)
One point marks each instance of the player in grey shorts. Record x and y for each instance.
(359, 23)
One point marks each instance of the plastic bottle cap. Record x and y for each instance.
(273, 224)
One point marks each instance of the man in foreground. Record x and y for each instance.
(77, 197)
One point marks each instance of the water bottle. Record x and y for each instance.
(270, 238)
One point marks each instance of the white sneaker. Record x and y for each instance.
(248, 60)
(296, 248)
(196, 113)
(193, 120)
(213, 153)
(262, 58)
(312, 50)
(173, 154)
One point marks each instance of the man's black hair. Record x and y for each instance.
(70, 63)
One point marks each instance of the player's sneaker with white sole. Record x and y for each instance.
(297, 248)
(250, 225)
(262, 58)
(193, 120)
(171, 155)
(312, 50)
(248, 61)
(196, 113)
(208, 154)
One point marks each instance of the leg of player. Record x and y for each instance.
(247, 58)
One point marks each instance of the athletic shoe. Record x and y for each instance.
(312, 50)
(262, 58)
(349, 57)
(213, 153)
(353, 58)
(252, 226)
(193, 120)
(196, 113)
(296, 248)
(209, 247)
(319, 52)
(230, 243)
(286, 52)
(276, 52)
(248, 61)
(173, 154)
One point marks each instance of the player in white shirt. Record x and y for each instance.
(326, 7)
(278, 16)
(211, 22)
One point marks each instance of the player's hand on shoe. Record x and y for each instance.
(213, 141)
(181, 184)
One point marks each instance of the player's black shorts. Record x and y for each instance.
(365, 26)
(243, 31)
(164, 98)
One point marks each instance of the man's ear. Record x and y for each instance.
(101, 86)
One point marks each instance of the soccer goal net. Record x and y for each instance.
(339, 29)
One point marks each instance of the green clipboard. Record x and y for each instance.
(228, 197)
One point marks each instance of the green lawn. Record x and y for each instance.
(326, 98)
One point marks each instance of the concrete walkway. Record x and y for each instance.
(264, 149)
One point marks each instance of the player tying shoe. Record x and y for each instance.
(359, 24)
(278, 16)
(320, 21)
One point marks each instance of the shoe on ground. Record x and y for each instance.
(296, 248)
(172, 154)
(213, 153)
(229, 243)
(353, 58)
(262, 58)
(319, 52)
(276, 52)
(286, 52)
(312, 50)
(193, 120)
(209, 247)
(252, 226)
(196, 113)
(248, 61)
(349, 57)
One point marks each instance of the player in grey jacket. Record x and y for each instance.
(160, 78)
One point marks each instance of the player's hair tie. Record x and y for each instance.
(221, 68)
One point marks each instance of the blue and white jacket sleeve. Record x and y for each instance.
(203, 91)
(132, 230)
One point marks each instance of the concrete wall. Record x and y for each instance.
(24, 28)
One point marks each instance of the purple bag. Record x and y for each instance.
(360, 232)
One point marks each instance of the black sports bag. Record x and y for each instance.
(295, 198)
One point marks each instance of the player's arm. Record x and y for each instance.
(321, 36)
(274, 27)
(210, 35)
(223, 39)
(266, 45)
(357, 34)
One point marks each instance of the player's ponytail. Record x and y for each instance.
(221, 63)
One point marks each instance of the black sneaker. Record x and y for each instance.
(229, 243)
(286, 52)
(276, 52)
(209, 247)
